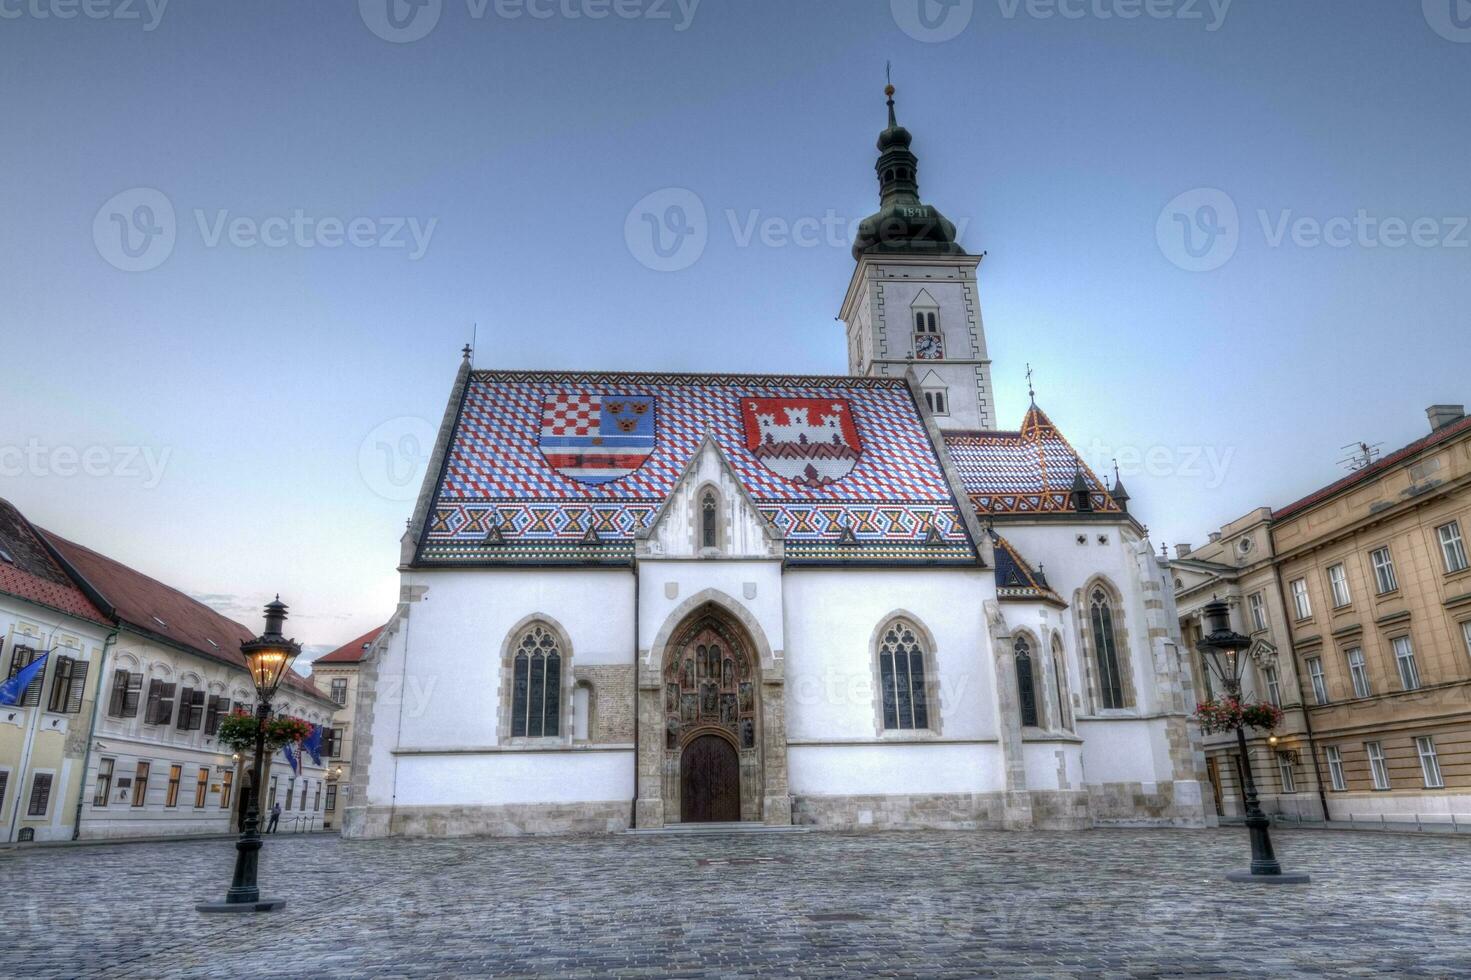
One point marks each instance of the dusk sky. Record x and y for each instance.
(243, 243)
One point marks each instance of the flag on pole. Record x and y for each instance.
(11, 690)
(292, 759)
(312, 744)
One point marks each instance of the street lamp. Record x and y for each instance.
(1224, 652)
(267, 657)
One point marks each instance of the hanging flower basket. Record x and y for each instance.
(237, 730)
(1228, 714)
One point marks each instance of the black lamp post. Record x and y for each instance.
(1224, 652)
(268, 657)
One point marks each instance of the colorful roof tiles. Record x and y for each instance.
(1030, 471)
(1015, 577)
(549, 466)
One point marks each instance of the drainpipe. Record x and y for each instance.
(633, 819)
(92, 732)
(1307, 717)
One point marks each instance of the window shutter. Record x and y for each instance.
(119, 693)
(155, 694)
(61, 680)
(78, 686)
(21, 656)
(130, 699)
(4, 784)
(166, 704)
(40, 794)
(186, 697)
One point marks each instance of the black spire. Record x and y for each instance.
(1119, 494)
(1082, 499)
(903, 222)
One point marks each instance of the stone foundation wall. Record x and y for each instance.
(938, 811)
(1176, 804)
(511, 820)
(1060, 810)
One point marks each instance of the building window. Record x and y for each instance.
(1105, 648)
(140, 784)
(1377, 769)
(1274, 687)
(1338, 579)
(226, 782)
(1320, 684)
(160, 709)
(191, 710)
(104, 782)
(305, 785)
(1466, 635)
(902, 676)
(218, 708)
(40, 795)
(176, 774)
(1384, 577)
(271, 800)
(1429, 762)
(331, 798)
(332, 743)
(1359, 672)
(928, 344)
(536, 705)
(201, 788)
(4, 784)
(709, 511)
(1300, 601)
(1284, 770)
(20, 658)
(339, 690)
(936, 402)
(1452, 548)
(1335, 768)
(1404, 657)
(290, 793)
(126, 689)
(317, 799)
(1258, 604)
(1026, 686)
(67, 685)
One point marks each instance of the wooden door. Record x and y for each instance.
(1213, 772)
(709, 781)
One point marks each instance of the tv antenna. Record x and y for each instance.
(1360, 456)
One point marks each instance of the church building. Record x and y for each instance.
(641, 600)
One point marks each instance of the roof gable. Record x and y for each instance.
(29, 572)
(352, 651)
(549, 466)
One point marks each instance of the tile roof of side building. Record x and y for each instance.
(1027, 472)
(151, 607)
(352, 652)
(558, 466)
(28, 571)
(1439, 436)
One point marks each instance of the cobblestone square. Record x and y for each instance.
(922, 904)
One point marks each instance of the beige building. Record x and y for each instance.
(337, 675)
(1367, 596)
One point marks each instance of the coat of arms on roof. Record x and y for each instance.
(810, 441)
(597, 439)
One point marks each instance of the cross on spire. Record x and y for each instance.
(1031, 391)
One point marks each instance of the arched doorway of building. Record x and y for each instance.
(709, 780)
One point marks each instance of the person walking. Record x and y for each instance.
(275, 818)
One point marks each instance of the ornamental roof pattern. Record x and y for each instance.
(553, 466)
(1015, 577)
(1030, 471)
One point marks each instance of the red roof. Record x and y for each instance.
(1026, 472)
(352, 651)
(1443, 434)
(153, 607)
(28, 571)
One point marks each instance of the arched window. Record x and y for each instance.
(902, 676)
(536, 700)
(708, 514)
(1026, 686)
(1059, 683)
(1105, 650)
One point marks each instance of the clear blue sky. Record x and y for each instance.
(261, 380)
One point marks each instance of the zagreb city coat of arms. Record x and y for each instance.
(810, 441)
(596, 439)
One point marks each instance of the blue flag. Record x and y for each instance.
(11, 690)
(312, 745)
(291, 758)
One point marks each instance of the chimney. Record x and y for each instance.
(1182, 550)
(1215, 536)
(1443, 415)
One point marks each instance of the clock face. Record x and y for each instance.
(928, 347)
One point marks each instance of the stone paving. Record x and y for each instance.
(923, 904)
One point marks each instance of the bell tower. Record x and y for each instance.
(912, 301)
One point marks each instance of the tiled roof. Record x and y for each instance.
(1443, 434)
(1026, 472)
(28, 571)
(352, 651)
(153, 607)
(563, 466)
(1015, 578)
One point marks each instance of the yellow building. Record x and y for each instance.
(1372, 583)
(337, 674)
(44, 735)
